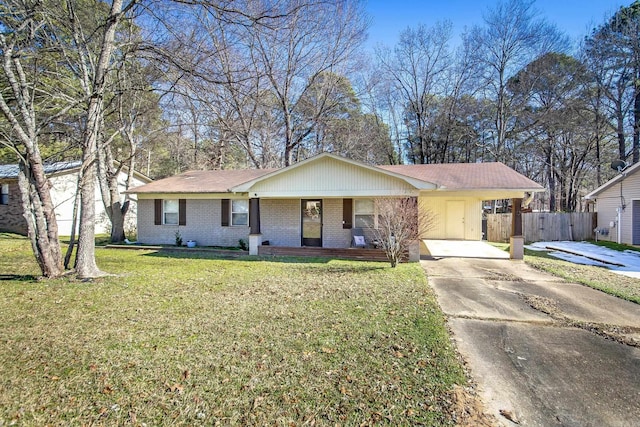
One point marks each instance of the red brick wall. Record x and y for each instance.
(11, 218)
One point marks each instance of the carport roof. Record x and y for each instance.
(468, 176)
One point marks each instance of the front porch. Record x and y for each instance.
(338, 253)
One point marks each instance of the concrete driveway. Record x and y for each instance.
(551, 353)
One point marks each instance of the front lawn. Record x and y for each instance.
(600, 278)
(184, 340)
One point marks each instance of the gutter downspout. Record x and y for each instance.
(619, 210)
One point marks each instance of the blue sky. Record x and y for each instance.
(390, 17)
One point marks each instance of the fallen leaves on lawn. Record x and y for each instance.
(175, 388)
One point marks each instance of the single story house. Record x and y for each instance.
(618, 207)
(316, 202)
(63, 177)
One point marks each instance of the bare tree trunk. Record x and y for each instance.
(42, 227)
(635, 149)
(74, 223)
(86, 266)
(37, 206)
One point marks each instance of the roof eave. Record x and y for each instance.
(629, 171)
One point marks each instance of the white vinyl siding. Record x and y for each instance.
(613, 198)
(471, 229)
(328, 178)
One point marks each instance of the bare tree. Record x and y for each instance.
(416, 69)
(555, 125)
(92, 62)
(249, 63)
(400, 223)
(512, 37)
(296, 50)
(23, 98)
(613, 54)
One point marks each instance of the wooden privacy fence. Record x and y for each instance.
(543, 226)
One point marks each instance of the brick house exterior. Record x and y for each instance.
(11, 218)
(315, 202)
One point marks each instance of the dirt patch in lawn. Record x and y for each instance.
(468, 409)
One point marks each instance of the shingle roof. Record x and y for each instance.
(11, 171)
(467, 176)
(452, 176)
(209, 181)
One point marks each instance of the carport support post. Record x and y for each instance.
(516, 242)
(255, 236)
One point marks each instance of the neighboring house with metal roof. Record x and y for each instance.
(618, 207)
(63, 177)
(316, 202)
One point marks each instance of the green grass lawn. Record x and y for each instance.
(183, 340)
(599, 278)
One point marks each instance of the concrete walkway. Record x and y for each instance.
(551, 353)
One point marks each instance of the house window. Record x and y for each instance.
(239, 212)
(364, 213)
(4, 194)
(170, 212)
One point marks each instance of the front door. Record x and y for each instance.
(312, 223)
(455, 219)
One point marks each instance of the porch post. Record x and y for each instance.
(516, 247)
(255, 236)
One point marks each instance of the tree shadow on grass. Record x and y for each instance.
(242, 256)
(18, 277)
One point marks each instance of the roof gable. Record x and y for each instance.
(330, 175)
(618, 178)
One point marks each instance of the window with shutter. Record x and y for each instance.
(224, 211)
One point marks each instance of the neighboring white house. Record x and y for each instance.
(63, 177)
(618, 207)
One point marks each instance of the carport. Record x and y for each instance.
(462, 249)
(457, 201)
